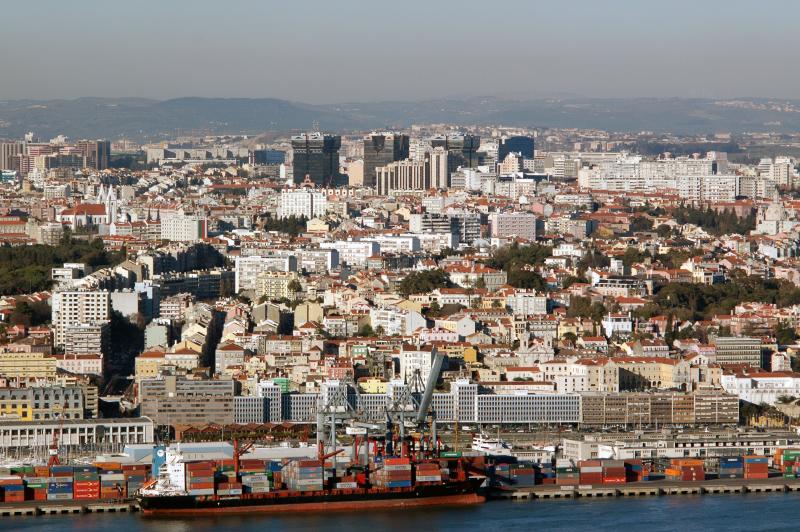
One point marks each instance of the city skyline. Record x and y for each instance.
(409, 51)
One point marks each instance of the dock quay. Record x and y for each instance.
(61, 508)
(648, 489)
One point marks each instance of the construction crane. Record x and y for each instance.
(53, 460)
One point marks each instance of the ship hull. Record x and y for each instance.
(459, 494)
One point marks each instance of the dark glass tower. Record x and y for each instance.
(317, 156)
(381, 149)
(462, 150)
(523, 145)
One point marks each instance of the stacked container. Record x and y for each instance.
(12, 489)
(135, 476)
(36, 488)
(546, 475)
(523, 474)
(256, 483)
(427, 473)
(614, 472)
(787, 461)
(229, 488)
(59, 488)
(591, 471)
(200, 478)
(634, 471)
(112, 484)
(87, 483)
(756, 467)
(396, 473)
(303, 475)
(731, 467)
(685, 469)
(566, 473)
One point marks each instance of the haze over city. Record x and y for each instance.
(326, 52)
(444, 265)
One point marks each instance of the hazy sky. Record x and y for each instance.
(353, 50)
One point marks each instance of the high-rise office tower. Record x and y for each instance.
(462, 150)
(519, 144)
(96, 153)
(380, 149)
(317, 156)
(8, 154)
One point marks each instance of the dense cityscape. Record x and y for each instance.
(227, 306)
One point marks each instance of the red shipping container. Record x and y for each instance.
(204, 465)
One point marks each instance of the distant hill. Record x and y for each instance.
(144, 119)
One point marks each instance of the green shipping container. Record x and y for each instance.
(450, 454)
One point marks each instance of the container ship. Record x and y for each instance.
(185, 488)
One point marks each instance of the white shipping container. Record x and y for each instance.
(347, 485)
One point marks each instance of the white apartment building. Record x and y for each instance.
(302, 202)
(397, 243)
(509, 224)
(396, 321)
(86, 338)
(415, 358)
(248, 268)
(762, 387)
(527, 303)
(78, 307)
(712, 188)
(180, 227)
(354, 252)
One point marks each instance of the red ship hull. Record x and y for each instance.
(386, 504)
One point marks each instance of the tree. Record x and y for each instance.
(434, 309)
(633, 256)
(571, 280)
(480, 284)
(525, 279)
(640, 224)
(424, 281)
(366, 330)
(30, 314)
(785, 334)
(294, 286)
(570, 337)
(664, 231)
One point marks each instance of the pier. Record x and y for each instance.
(649, 489)
(65, 508)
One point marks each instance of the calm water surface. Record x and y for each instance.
(767, 512)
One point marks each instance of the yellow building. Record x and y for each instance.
(652, 372)
(148, 365)
(470, 355)
(28, 365)
(315, 225)
(372, 385)
(275, 285)
(15, 403)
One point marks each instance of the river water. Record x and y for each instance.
(753, 512)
